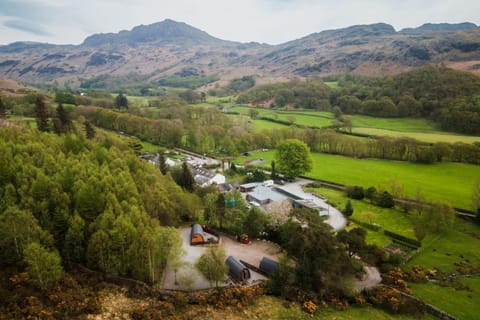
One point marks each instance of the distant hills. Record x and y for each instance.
(168, 48)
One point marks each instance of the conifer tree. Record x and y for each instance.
(63, 123)
(89, 130)
(187, 181)
(162, 164)
(2, 109)
(41, 114)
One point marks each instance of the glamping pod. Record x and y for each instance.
(237, 270)
(197, 236)
(268, 266)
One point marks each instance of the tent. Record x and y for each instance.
(237, 270)
(197, 236)
(268, 266)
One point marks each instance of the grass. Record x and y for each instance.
(332, 84)
(419, 129)
(259, 125)
(420, 136)
(451, 182)
(267, 307)
(150, 147)
(394, 124)
(459, 242)
(461, 304)
(390, 219)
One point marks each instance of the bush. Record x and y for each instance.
(348, 211)
(385, 200)
(355, 192)
(408, 241)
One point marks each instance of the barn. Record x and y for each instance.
(268, 266)
(237, 270)
(197, 236)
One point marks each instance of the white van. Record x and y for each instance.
(267, 183)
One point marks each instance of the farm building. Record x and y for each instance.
(264, 195)
(248, 187)
(237, 270)
(197, 236)
(268, 266)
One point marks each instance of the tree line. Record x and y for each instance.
(212, 132)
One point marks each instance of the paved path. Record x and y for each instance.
(335, 217)
(371, 279)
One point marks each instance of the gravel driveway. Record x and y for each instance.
(335, 217)
(252, 254)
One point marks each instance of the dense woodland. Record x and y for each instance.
(86, 202)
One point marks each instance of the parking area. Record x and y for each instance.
(252, 253)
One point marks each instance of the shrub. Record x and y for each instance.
(355, 192)
(385, 200)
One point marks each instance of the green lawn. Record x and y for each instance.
(461, 304)
(451, 182)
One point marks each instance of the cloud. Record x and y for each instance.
(270, 21)
(26, 26)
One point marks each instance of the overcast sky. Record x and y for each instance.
(269, 21)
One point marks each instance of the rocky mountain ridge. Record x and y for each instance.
(166, 48)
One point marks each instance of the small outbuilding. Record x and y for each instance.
(268, 266)
(197, 236)
(237, 270)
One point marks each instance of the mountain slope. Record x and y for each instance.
(167, 48)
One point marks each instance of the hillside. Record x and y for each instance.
(152, 52)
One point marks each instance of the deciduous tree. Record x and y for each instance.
(212, 264)
(43, 266)
(293, 158)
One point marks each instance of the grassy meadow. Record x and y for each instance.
(451, 182)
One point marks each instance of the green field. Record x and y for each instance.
(419, 129)
(460, 241)
(461, 304)
(425, 137)
(332, 84)
(390, 219)
(451, 182)
(28, 120)
(394, 124)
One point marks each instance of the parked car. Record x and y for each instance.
(243, 238)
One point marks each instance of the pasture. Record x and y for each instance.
(451, 182)
(462, 304)
(419, 129)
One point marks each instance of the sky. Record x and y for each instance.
(264, 21)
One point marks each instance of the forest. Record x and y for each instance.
(78, 201)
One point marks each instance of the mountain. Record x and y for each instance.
(428, 27)
(168, 48)
(160, 33)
